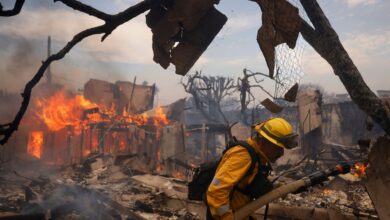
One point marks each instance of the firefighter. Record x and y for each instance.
(232, 186)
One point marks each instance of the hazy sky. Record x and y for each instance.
(363, 27)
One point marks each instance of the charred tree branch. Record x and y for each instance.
(16, 10)
(76, 5)
(209, 92)
(244, 87)
(191, 87)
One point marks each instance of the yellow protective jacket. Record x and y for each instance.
(233, 167)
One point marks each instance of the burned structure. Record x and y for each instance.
(108, 118)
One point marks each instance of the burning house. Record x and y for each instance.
(108, 118)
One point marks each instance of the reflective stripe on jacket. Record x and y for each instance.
(233, 167)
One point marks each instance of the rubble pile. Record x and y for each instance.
(354, 201)
(98, 189)
(125, 187)
(10, 198)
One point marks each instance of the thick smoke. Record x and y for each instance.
(17, 64)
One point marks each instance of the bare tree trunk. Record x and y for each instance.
(326, 42)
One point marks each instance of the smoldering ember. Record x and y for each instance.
(81, 139)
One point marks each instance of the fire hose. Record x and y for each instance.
(296, 186)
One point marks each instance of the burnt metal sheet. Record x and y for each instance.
(266, 35)
(287, 22)
(161, 54)
(265, 39)
(156, 13)
(189, 12)
(196, 41)
(162, 44)
(280, 24)
(192, 24)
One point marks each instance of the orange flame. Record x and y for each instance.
(159, 120)
(94, 117)
(360, 169)
(60, 111)
(138, 120)
(35, 142)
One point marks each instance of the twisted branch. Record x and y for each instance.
(210, 89)
(76, 5)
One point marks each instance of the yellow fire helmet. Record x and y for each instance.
(278, 131)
